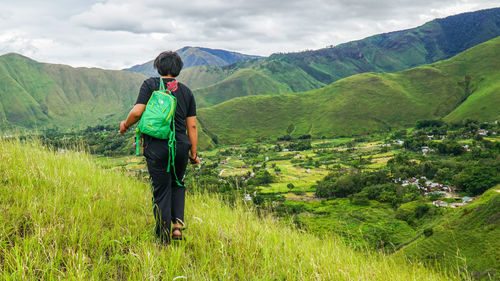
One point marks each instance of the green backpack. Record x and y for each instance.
(157, 120)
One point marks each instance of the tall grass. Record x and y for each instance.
(63, 217)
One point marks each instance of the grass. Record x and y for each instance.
(64, 217)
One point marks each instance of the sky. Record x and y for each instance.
(115, 34)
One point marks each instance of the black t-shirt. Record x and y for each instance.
(186, 105)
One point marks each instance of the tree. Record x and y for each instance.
(290, 129)
(428, 232)
(476, 179)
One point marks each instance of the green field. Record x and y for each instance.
(63, 217)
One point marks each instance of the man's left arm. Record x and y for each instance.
(132, 118)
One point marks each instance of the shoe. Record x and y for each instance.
(176, 237)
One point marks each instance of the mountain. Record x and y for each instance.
(464, 233)
(64, 217)
(40, 95)
(368, 102)
(195, 56)
(390, 52)
(37, 95)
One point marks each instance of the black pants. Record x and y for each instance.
(168, 196)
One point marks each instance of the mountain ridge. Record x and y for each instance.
(388, 52)
(367, 102)
(196, 56)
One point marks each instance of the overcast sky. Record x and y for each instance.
(115, 34)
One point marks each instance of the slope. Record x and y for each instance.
(195, 56)
(390, 52)
(395, 51)
(63, 217)
(365, 102)
(464, 233)
(42, 95)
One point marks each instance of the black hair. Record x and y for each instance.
(168, 62)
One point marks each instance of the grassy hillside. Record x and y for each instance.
(367, 102)
(195, 56)
(273, 77)
(202, 76)
(66, 218)
(464, 233)
(253, 81)
(42, 95)
(389, 52)
(484, 101)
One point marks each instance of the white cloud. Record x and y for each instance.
(118, 34)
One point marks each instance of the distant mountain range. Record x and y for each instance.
(390, 52)
(195, 56)
(39, 95)
(465, 86)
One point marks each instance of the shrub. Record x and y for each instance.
(428, 232)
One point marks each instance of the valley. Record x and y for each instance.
(384, 192)
(381, 156)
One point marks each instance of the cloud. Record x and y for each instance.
(117, 34)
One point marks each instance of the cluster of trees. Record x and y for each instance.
(103, 140)
(451, 131)
(361, 187)
(468, 175)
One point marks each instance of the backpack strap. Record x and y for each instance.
(162, 86)
(137, 141)
(171, 86)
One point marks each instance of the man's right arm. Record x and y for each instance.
(192, 131)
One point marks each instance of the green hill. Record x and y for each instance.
(470, 233)
(39, 95)
(389, 52)
(201, 76)
(265, 77)
(368, 102)
(66, 218)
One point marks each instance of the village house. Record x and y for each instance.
(425, 150)
(428, 187)
(482, 132)
(440, 203)
(466, 199)
(399, 142)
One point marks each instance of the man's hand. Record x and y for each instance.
(195, 161)
(123, 128)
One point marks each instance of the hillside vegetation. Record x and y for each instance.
(39, 95)
(64, 217)
(369, 102)
(389, 52)
(464, 233)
